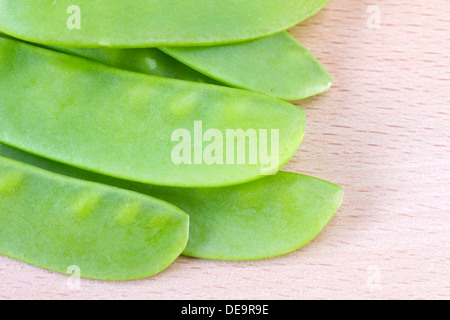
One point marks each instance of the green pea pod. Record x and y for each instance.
(150, 23)
(283, 69)
(60, 223)
(139, 127)
(261, 219)
(257, 220)
(150, 61)
(278, 66)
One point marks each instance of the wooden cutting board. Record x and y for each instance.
(382, 132)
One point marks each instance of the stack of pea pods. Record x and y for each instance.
(138, 131)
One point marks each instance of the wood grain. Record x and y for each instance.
(382, 132)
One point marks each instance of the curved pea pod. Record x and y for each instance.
(278, 66)
(261, 219)
(139, 127)
(59, 223)
(150, 23)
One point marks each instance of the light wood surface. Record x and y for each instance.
(382, 132)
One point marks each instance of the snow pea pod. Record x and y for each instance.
(56, 222)
(150, 61)
(260, 219)
(257, 220)
(139, 127)
(150, 23)
(277, 65)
